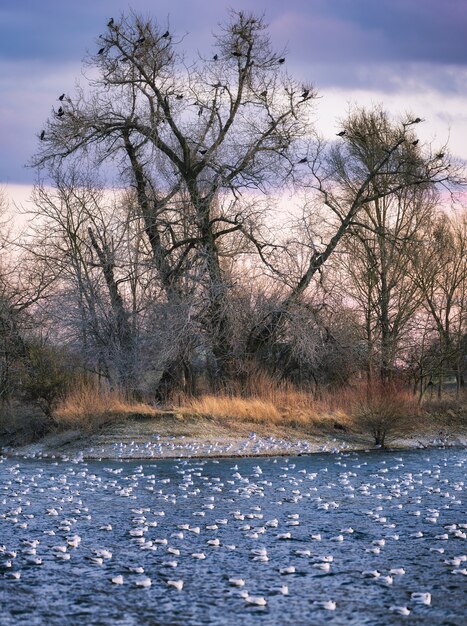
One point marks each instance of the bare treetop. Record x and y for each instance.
(229, 120)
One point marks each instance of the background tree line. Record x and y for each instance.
(161, 254)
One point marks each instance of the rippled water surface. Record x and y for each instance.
(350, 513)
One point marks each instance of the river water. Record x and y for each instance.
(345, 538)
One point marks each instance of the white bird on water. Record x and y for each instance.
(400, 610)
(117, 580)
(178, 584)
(256, 600)
(328, 605)
(421, 597)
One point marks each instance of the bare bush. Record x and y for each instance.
(385, 412)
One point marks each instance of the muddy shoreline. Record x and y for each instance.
(132, 442)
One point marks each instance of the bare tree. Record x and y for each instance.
(187, 134)
(377, 262)
(78, 236)
(439, 269)
(22, 286)
(197, 141)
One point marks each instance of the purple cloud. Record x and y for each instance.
(381, 45)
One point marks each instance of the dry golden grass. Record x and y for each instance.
(89, 407)
(251, 409)
(283, 406)
(379, 412)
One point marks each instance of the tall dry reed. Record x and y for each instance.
(89, 407)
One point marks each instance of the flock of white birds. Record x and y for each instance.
(180, 517)
(157, 447)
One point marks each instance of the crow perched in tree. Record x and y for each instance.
(61, 97)
(110, 22)
(101, 51)
(179, 96)
(305, 93)
(215, 57)
(203, 151)
(414, 143)
(60, 112)
(42, 135)
(304, 160)
(417, 120)
(141, 40)
(264, 93)
(342, 133)
(282, 60)
(166, 34)
(236, 53)
(440, 155)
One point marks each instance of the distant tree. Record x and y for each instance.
(439, 269)
(20, 291)
(81, 240)
(377, 262)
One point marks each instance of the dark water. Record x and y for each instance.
(381, 496)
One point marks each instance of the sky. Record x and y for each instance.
(410, 55)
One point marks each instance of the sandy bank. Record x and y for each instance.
(173, 438)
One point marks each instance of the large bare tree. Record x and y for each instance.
(198, 139)
(190, 136)
(378, 162)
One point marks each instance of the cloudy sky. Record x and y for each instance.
(409, 54)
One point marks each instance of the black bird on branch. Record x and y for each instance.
(203, 151)
(60, 112)
(304, 160)
(110, 23)
(215, 57)
(342, 133)
(415, 143)
(417, 120)
(281, 60)
(305, 94)
(42, 135)
(61, 97)
(165, 35)
(101, 51)
(440, 155)
(141, 40)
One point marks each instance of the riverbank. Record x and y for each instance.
(170, 436)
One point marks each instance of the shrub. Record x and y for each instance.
(47, 376)
(384, 411)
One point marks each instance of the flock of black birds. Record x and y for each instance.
(59, 113)
(305, 95)
(343, 133)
